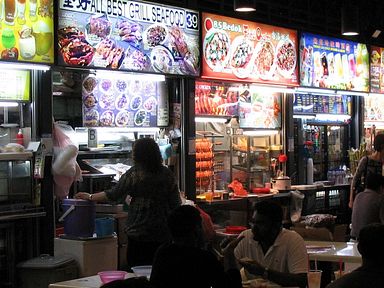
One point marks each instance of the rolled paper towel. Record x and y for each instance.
(166, 151)
(310, 171)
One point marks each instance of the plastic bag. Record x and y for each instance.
(296, 205)
(65, 169)
(238, 188)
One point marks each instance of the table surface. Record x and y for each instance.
(86, 282)
(333, 251)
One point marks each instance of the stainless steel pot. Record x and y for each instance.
(282, 183)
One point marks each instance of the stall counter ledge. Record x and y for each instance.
(86, 282)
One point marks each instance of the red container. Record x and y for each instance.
(235, 229)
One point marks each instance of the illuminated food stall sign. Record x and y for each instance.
(235, 49)
(333, 63)
(322, 104)
(216, 99)
(115, 102)
(377, 69)
(373, 108)
(14, 85)
(259, 107)
(26, 31)
(129, 35)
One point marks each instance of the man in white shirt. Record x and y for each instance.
(272, 252)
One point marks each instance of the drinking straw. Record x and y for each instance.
(340, 267)
(315, 264)
(309, 262)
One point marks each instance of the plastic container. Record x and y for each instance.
(109, 276)
(104, 226)
(41, 271)
(20, 137)
(79, 218)
(142, 271)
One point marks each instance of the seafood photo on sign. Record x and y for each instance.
(98, 28)
(106, 86)
(162, 59)
(122, 102)
(121, 85)
(109, 54)
(122, 118)
(286, 58)
(216, 49)
(91, 117)
(241, 54)
(150, 104)
(90, 83)
(155, 34)
(136, 60)
(264, 59)
(107, 101)
(107, 118)
(140, 117)
(89, 101)
(136, 102)
(130, 32)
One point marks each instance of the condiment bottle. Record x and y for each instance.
(20, 137)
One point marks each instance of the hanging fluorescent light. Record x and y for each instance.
(24, 66)
(209, 119)
(298, 116)
(375, 95)
(9, 104)
(244, 5)
(264, 132)
(352, 93)
(318, 91)
(349, 20)
(130, 76)
(332, 117)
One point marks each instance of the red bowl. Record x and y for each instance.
(109, 276)
(235, 229)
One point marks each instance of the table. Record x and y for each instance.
(86, 282)
(333, 251)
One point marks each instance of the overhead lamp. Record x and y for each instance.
(244, 5)
(107, 74)
(24, 66)
(9, 104)
(349, 20)
(319, 91)
(352, 93)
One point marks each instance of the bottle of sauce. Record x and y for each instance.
(20, 137)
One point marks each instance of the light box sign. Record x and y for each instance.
(322, 104)
(216, 99)
(235, 49)
(333, 63)
(377, 69)
(129, 35)
(115, 102)
(374, 108)
(14, 85)
(27, 31)
(259, 107)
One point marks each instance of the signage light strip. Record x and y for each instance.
(212, 120)
(260, 132)
(9, 104)
(131, 76)
(24, 66)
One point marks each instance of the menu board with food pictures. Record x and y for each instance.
(259, 107)
(14, 85)
(216, 98)
(333, 63)
(377, 69)
(374, 108)
(109, 102)
(317, 104)
(235, 49)
(129, 35)
(26, 28)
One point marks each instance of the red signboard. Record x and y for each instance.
(241, 50)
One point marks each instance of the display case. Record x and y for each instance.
(250, 160)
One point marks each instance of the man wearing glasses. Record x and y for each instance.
(271, 251)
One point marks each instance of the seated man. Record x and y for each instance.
(183, 263)
(368, 206)
(371, 272)
(272, 252)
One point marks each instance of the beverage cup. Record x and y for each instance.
(314, 278)
(10, 11)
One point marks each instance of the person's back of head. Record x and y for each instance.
(272, 210)
(378, 143)
(370, 245)
(146, 153)
(185, 223)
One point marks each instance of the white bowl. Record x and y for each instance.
(142, 271)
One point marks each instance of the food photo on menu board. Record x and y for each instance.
(219, 99)
(236, 49)
(377, 69)
(26, 28)
(259, 107)
(117, 102)
(333, 63)
(129, 35)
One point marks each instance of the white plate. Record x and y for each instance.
(243, 71)
(155, 42)
(264, 75)
(283, 72)
(220, 57)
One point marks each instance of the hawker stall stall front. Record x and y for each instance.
(150, 47)
(247, 68)
(26, 52)
(333, 74)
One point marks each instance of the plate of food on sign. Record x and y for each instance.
(74, 48)
(130, 32)
(264, 59)
(286, 58)
(241, 55)
(98, 28)
(216, 49)
(154, 35)
(108, 54)
(107, 118)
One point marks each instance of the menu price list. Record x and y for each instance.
(317, 104)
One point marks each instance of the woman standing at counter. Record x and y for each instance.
(151, 191)
(369, 164)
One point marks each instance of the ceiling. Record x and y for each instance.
(317, 16)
